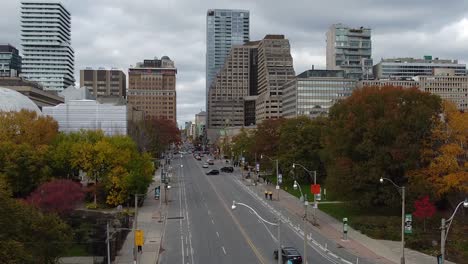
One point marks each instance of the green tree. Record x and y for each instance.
(29, 236)
(300, 143)
(377, 132)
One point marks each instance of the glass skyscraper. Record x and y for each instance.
(48, 57)
(224, 28)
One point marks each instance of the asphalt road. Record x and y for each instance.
(201, 227)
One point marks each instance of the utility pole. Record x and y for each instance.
(315, 201)
(442, 240)
(402, 225)
(280, 253)
(108, 243)
(135, 253)
(277, 178)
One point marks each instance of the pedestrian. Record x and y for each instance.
(271, 195)
(266, 194)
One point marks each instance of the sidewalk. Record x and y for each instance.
(373, 250)
(148, 221)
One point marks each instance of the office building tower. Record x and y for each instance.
(350, 49)
(152, 88)
(224, 29)
(313, 92)
(274, 69)
(48, 57)
(229, 88)
(407, 68)
(104, 83)
(10, 61)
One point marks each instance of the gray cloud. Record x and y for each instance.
(119, 33)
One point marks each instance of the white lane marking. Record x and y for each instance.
(224, 250)
(212, 221)
(217, 234)
(182, 251)
(209, 212)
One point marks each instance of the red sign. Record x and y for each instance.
(315, 188)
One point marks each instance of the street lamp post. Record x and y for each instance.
(443, 228)
(234, 206)
(295, 186)
(277, 172)
(401, 190)
(315, 182)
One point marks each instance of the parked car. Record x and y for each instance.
(198, 157)
(213, 172)
(227, 169)
(205, 165)
(211, 162)
(289, 255)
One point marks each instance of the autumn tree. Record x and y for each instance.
(444, 168)
(24, 146)
(243, 145)
(424, 209)
(376, 132)
(57, 196)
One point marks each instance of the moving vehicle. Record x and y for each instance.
(205, 165)
(211, 162)
(289, 255)
(198, 157)
(227, 169)
(213, 172)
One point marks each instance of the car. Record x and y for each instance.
(289, 255)
(213, 172)
(198, 157)
(211, 162)
(205, 165)
(227, 169)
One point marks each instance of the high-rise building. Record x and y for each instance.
(48, 57)
(407, 68)
(274, 69)
(104, 83)
(313, 92)
(10, 61)
(350, 49)
(224, 29)
(200, 124)
(152, 88)
(229, 88)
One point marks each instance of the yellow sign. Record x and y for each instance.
(139, 237)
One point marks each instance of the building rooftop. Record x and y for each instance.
(322, 73)
(11, 100)
(426, 59)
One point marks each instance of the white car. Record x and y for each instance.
(205, 165)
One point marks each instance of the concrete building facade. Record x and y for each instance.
(48, 57)
(104, 83)
(313, 92)
(10, 61)
(449, 87)
(274, 69)
(385, 82)
(224, 28)
(229, 88)
(350, 49)
(32, 90)
(407, 68)
(152, 88)
(200, 124)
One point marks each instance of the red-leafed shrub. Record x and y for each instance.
(58, 196)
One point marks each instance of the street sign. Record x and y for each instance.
(315, 188)
(243, 160)
(277, 187)
(408, 224)
(257, 167)
(318, 197)
(280, 178)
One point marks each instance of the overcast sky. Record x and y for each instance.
(119, 33)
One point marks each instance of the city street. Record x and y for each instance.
(201, 227)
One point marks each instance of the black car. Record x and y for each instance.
(227, 169)
(213, 172)
(289, 253)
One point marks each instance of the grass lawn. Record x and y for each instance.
(77, 250)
